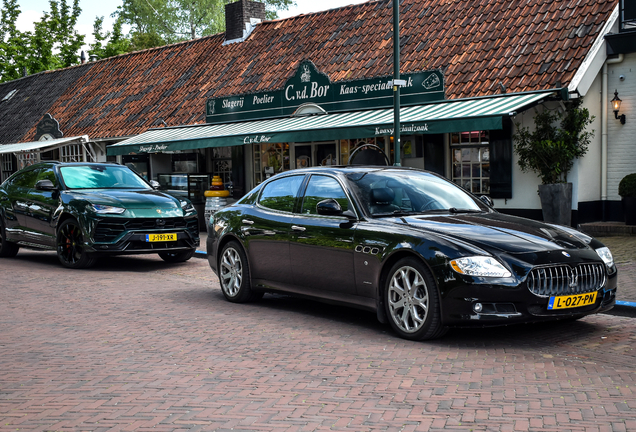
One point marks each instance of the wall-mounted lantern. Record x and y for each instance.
(616, 106)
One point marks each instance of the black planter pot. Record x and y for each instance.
(556, 203)
(629, 210)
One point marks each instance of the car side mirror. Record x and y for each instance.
(45, 185)
(329, 207)
(487, 200)
(154, 183)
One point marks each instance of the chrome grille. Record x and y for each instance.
(566, 280)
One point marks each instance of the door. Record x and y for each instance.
(267, 228)
(16, 204)
(322, 247)
(41, 208)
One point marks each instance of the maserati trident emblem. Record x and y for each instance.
(565, 253)
(161, 222)
(574, 281)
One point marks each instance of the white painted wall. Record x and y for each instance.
(621, 138)
(587, 170)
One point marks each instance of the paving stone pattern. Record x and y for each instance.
(138, 344)
(624, 252)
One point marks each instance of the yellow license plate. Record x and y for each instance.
(161, 237)
(571, 301)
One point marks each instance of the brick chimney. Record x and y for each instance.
(241, 17)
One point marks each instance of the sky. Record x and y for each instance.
(32, 10)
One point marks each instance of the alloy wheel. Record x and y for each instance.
(408, 299)
(231, 272)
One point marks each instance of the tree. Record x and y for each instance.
(116, 42)
(53, 44)
(178, 20)
(558, 139)
(13, 43)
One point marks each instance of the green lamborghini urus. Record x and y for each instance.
(87, 210)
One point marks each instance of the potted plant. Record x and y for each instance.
(627, 191)
(550, 150)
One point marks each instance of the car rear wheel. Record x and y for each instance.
(70, 246)
(176, 257)
(412, 302)
(7, 249)
(234, 274)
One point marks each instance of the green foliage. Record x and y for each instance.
(558, 139)
(178, 20)
(53, 44)
(627, 186)
(116, 43)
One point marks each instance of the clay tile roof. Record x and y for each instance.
(524, 44)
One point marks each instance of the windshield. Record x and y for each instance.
(394, 192)
(101, 177)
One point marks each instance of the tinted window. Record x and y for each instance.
(281, 193)
(101, 177)
(321, 188)
(25, 179)
(47, 174)
(388, 191)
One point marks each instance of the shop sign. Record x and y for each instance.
(309, 85)
(152, 148)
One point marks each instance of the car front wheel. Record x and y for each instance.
(7, 249)
(70, 246)
(412, 302)
(176, 257)
(234, 274)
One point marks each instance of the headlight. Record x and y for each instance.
(480, 266)
(186, 206)
(606, 256)
(104, 209)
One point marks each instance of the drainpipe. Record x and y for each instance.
(604, 143)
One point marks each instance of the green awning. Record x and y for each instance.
(484, 113)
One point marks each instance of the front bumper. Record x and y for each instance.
(503, 305)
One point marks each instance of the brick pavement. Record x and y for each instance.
(137, 344)
(624, 252)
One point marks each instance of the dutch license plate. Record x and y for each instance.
(571, 301)
(161, 237)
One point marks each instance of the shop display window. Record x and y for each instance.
(347, 146)
(471, 161)
(222, 163)
(270, 159)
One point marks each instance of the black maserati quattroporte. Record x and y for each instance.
(415, 248)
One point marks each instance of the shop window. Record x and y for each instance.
(222, 164)
(471, 161)
(270, 159)
(347, 147)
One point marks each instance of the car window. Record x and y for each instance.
(321, 188)
(280, 194)
(387, 192)
(47, 174)
(101, 177)
(25, 179)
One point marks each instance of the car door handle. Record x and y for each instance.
(247, 222)
(298, 228)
